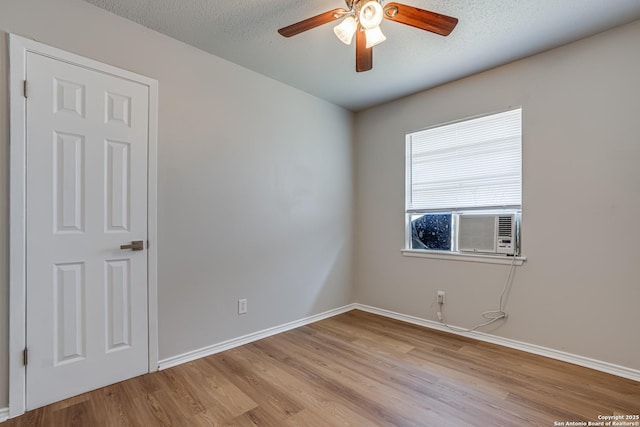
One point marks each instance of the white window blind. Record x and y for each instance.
(466, 165)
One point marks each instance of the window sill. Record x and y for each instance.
(457, 256)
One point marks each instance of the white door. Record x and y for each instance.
(86, 195)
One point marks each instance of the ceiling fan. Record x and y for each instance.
(363, 17)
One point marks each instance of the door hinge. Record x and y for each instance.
(25, 356)
(24, 88)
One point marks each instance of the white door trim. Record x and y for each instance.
(18, 48)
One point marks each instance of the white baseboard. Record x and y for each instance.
(4, 414)
(598, 365)
(575, 359)
(246, 339)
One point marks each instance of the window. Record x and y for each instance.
(464, 185)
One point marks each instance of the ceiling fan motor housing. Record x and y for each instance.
(370, 14)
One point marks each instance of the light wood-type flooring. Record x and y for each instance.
(355, 369)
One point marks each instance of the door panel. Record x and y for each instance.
(117, 176)
(68, 170)
(69, 313)
(87, 141)
(118, 283)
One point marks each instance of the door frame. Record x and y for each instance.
(18, 48)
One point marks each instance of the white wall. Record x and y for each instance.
(255, 181)
(579, 289)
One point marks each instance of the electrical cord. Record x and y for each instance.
(491, 315)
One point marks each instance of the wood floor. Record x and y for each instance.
(354, 369)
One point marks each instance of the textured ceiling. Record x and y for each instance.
(489, 33)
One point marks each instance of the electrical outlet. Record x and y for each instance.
(440, 297)
(242, 306)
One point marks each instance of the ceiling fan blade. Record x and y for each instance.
(314, 21)
(364, 54)
(420, 18)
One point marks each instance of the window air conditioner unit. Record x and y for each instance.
(489, 234)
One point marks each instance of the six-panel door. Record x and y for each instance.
(87, 139)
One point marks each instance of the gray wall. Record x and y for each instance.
(278, 229)
(255, 182)
(579, 289)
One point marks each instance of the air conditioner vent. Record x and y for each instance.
(505, 228)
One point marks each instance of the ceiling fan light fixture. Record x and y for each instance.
(374, 36)
(370, 15)
(346, 29)
(362, 18)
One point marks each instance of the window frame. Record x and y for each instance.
(453, 253)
